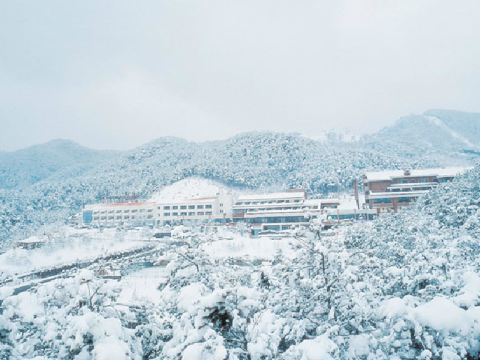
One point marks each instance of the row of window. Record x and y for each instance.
(120, 211)
(271, 202)
(190, 213)
(185, 207)
(389, 200)
(315, 207)
(120, 217)
(410, 189)
(276, 220)
(150, 216)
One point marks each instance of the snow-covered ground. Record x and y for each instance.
(142, 286)
(68, 246)
(189, 188)
(246, 247)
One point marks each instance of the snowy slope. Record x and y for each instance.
(447, 136)
(189, 188)
(57, 158)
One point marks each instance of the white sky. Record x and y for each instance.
(116, 74)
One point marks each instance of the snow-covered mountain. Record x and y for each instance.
(446, 135)
(60, 158)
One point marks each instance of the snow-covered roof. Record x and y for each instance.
(397, 194)
(280, 195)
(391, 174)
(120, 204)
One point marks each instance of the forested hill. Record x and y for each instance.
(445, 135)
(57, 158)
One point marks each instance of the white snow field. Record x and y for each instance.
(189, 188)
(67, 246)
(142, 286)
(235, 245)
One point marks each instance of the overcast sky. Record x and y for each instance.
(116, 74)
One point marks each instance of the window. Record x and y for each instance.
(199, 206)
(134, 211)
(167, 214)
(142, 210)
(183, 214)
(183, 207)
(126, 211)
(382, 201)
(167, 207)
(200, 213)
(191, 206)
(127, 217)
(175, 207)
(221, 211)
(191, 214)
(119, 218)
(133, 217)
(150, 210)
(208, 206)
(103, 218)
(149, 216)
(208, 213)
(111, 217)
(118, 211)
(175, 214)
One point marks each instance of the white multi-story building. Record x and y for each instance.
(120, 214)
(215, 208)
(279, 211)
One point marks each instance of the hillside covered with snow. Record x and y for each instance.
(444, 135)
(54, 160)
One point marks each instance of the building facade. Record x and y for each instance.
(389, 191)
(279, 211)
(135, 213)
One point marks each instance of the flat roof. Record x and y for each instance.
(396, 194)
(119, 204)
(278, 195)
(392, 174)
